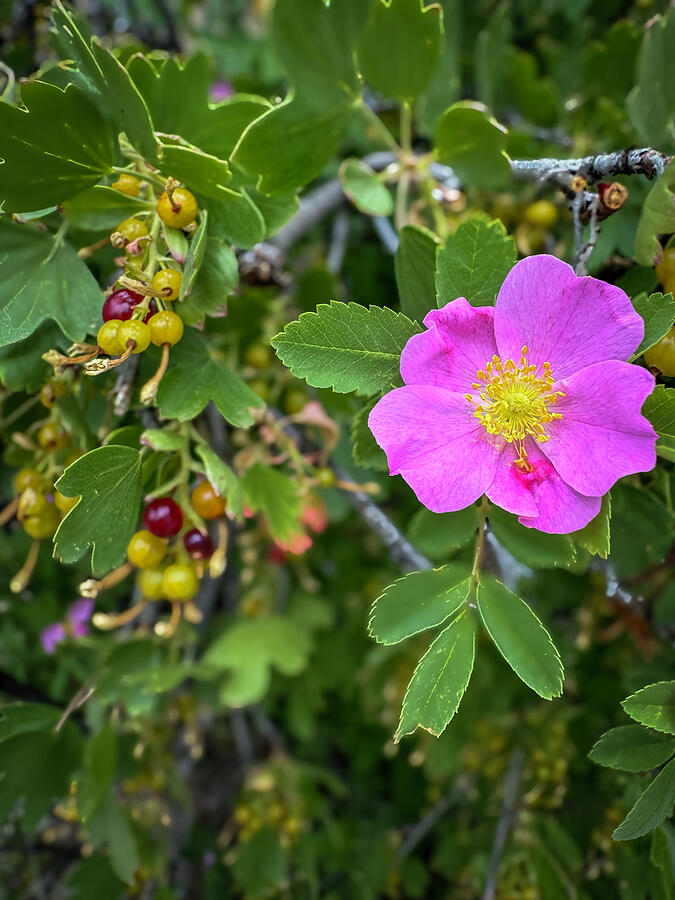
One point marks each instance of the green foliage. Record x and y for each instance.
(42, 278)
(631, 748)
(365, 449)
(108, 482)
(658, 312)
(520, 638)
(21, 363)
(346, 347)
(361, 184)
(595, 537)
(415, 268)
(657, 217)
(653, 706)
(222, 478)
(473, 262)
(101, 208)
(440, 679)
(276, 496)
(652, 808)
(418, 601)
(534, 548)
(659, 408)
(651, 105)
(399, 47)
(438, 535)
(470, 141)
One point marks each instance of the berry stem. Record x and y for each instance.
(105, 622)
(149, 389)
(92, 587)
(22, 577)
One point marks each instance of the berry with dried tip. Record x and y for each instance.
(165, 328)
(198, 544)
(145, 550)
(132, 229)
(163, 517)
(51, 437)
(167, 282)
(50, 393)
(44, 524)
(180, 582)
(107, 338)
(120, 305)
(26, 478)
(206, 502)
(136, 331)
(179, 210)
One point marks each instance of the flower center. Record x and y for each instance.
(513, 401)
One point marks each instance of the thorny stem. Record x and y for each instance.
(480, 540)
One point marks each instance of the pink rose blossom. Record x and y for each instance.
(530, 402)
(75, 625)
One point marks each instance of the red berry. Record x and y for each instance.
(163, 517)
(120, 305)
(198, 544)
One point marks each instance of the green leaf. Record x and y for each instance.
(21, 365)
(176, 242)
(236, 218)
(363, 187)
(108, 482)
(289, 145)
(101, 208)
(662, 857)
(473, 262)
(163, 440)
(658, 312)
(111, 826)
(659, 408)
(445, 82)
(632, 748)
(99, 766)
(346, 347)
(440, 679)
(418, 601)
(636, 511)
(656, 218)
(651, 105)
(222, 478)
(261, 866)
(103, 79)
(93, 877)
(365, 450)
(195, 378)
(201, 172)
(652, 808)
(195, 256)
(217, 278)
(399, 47)
(470, 141)
(534, 548)
(521, 638)
(55, 147)
(439, 534)
(42, 278)
(415, 268)
(26, 718)
(249, 650)
(653, 706)
(595, 537)
(276, 496)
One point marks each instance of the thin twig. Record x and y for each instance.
(428, 821)
(338, 242)
(386, 233)
(584, 253)
(507, 818)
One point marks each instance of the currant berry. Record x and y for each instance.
(325, 477)
(295, 400)
(260, 387)
(132, 229)
(32, 503)
(206, 502)
(51, 437)
(145, 550)
(64, 504)
(180, 582)
(107, 338)
(198, 544)
(541, 213)
(178, 211)
(120, 305)
(168, 282)
(149, 583)
(127, 184)
(165, 328)
(163, 517)
(662, 355)
(665, 270)
(136, 331)
(258, 356)
(50, 393)
(43, 525)
(28, 478)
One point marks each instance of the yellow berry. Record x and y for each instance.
(132, 229)
(31, 503)
(50, 393)
(165, 328)
(168, 282)
(258, 356)
(107, 338)
(295, 400)
(662, 355)
(259, 387)
(180, 210)
(127, 184)
(542, 213)
(136, 331)
(180, 582)
(145, 550)
(43, 525)
(26, 478)
(149, 583)
(665, 270)
(51, 437)
(64, 504)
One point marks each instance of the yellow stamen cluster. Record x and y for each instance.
(513, 401)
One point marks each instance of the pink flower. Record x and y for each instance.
(530, 402)
(75, 625)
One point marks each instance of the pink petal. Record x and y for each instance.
(566, 320)
(560, 509)
(459, 341)
(51, 636)
(509, 489)
(602, 435)
(433, 440)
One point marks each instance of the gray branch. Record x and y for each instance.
(647, 162)
(507, 818)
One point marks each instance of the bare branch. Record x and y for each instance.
(645, 161)
(507, 819)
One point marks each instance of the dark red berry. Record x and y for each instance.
(120, 305)
(163, 517)
(198, 544)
